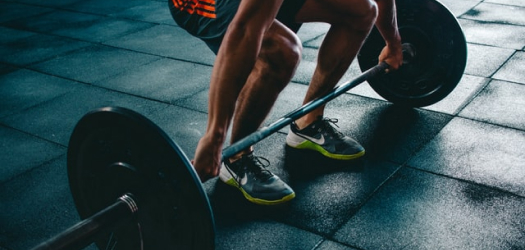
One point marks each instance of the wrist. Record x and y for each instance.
(394, 44)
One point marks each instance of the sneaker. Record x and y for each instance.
(256, 183)
(322, 137)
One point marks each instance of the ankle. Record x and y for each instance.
(239, 155)
(306, 121)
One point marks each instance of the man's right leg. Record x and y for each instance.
(351, 21)
(280, 54)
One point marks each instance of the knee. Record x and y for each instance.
(370, 14)
(362, 16)
(281, 54)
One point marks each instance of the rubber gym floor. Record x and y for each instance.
(447, 176)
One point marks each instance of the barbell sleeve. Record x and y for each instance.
(86, 231)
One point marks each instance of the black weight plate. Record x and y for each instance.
(113, 151)
(440, 55)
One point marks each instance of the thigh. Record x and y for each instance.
(211, 29)
(332, 11)
(288, 12)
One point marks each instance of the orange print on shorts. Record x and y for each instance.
(205, 8)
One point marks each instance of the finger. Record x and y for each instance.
(204, 177)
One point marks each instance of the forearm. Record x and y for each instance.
(386, 22)
(232, 67)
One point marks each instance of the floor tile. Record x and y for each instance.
(148, 11)
(497, 13)
(264, 235)
(508, 2)
(83, 26)
(459, 7)
(54, 20)
(485, 60)
(54, 4)
(12, 11)
(328, 192)
(198, 101)
(309, 31)
(103, 6)
(467, 88)
(102, 30)
(477, 152)
(185, 127)
(513, 69)
(37, 48)
(167, 41)
(10, 35)
(165, 80)
(24, 89)
(56, 119)
(386, 131)
(330, 245)
(42, 191)
(315, 43)
(306, 68)
(6, 69)
(499, 104)
(94, 63)
(424, 211)
(22, 152)
(494, 34)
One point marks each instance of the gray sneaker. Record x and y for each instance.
(322, 137)
(257, 184)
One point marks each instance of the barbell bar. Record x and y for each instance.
(135, 188)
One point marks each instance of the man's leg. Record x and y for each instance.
(274, 69)
(280, 54)
(351, 22)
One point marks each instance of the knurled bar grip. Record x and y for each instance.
(287, 119)
(87, 231)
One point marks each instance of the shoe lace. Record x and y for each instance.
(327, 126)
(257, 165)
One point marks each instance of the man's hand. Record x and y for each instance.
(392, 55)
(207, 161)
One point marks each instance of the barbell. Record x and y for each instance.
(135, 188)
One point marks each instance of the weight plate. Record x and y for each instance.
(438, 62)
(113, 151)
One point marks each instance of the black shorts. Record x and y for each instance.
(209, 19)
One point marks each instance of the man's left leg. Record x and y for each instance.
(280, 54)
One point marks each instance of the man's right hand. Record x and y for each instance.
(392, 55)
(207, 161)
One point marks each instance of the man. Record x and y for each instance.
(257, 55)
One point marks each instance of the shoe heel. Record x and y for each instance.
(294, 140)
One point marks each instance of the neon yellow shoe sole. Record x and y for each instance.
(316, 147)
(260, 201)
